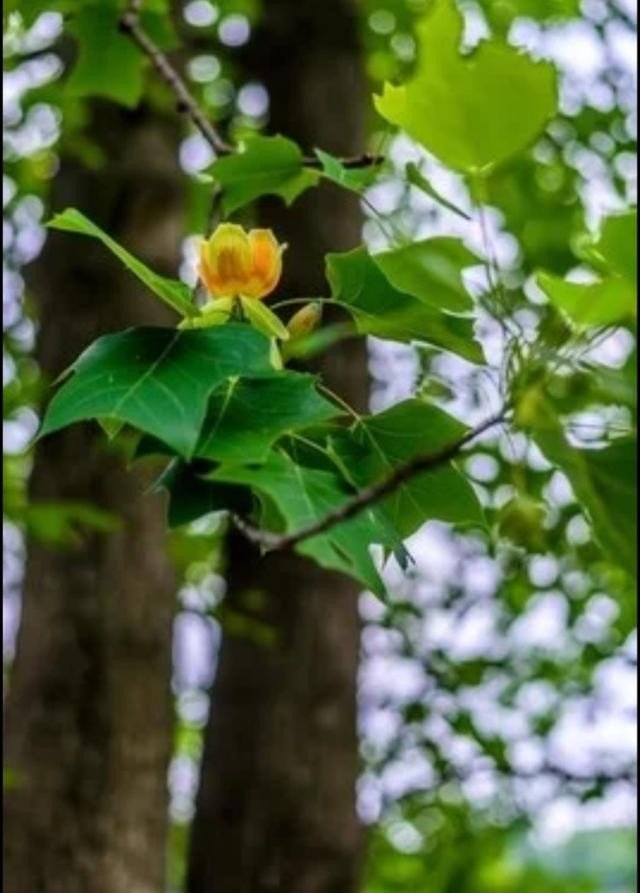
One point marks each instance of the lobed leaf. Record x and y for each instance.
(268, 165)
(157, 379)
(377, 445)
(474, 111)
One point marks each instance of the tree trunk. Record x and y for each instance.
(276, 804)
(89, 712)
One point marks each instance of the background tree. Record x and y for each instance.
(88, 713)
(281, 814)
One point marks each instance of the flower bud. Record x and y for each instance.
(305, 320)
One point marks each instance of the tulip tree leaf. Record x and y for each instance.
(108, 63)
(604, 482)
(157, 379)
(430, 270)
(302, 495)
(609, 301)
(377, 445)
(268, 165)
(173, 292)
(191, 497)
(354, 179)
(615, 249)
(379, 309)
(246, 415)
(474, 111)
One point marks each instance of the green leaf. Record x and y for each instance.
(604, 482)
(601, 303)
(615, 250)
(353, 179)
(263, 319)
(303, 495)
(379, 309)
(247, 415)
(475, 111)
(174, 293)
(268, 165)
(158, 380)
(191, 497)
(109, 64)
(377, 445)
(416, 178)
(430, 270)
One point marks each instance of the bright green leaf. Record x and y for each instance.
(158, 380)
(430, 270)
(174, 293)
(475, 111)
(379, 309)
(607, 302)
(268, 165)
(615, 249)
(604, 481)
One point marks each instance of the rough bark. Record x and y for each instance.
(276, 805)
(88, 716)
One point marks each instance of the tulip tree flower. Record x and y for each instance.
(239, 267)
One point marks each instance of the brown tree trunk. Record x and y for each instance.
(276, 805)
(88, 716)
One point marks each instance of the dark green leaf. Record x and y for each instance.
(158, 380)
(303, 495)
(191, 497)
(377, 445)
(246, 415)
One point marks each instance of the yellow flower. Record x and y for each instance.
(235, 263)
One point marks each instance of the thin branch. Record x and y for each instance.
(368, 496)
(186, 102)
(130, 24)
(354, 162)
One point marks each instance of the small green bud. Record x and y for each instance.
(305, 320)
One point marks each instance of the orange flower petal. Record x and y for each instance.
(266, 266)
